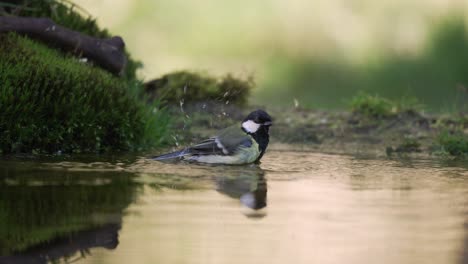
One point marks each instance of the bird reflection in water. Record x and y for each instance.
(248, 185)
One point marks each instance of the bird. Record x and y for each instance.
(238, 144)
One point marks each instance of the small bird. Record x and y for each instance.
(234, 145)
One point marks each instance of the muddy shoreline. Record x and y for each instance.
(341, 132)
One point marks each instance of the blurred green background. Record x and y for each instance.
(318, 52)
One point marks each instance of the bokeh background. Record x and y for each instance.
(317, 53)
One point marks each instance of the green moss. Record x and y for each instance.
(371, 105)
(375, 106)
(456, 144)
(51, 102)
(186, 86)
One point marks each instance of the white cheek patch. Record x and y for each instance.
(250, 126)
(219, 145)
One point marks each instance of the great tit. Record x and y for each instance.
(234, 145)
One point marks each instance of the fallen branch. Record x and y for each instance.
(106, 53)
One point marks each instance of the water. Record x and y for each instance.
(296, 207)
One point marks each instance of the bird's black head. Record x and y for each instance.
(257, 124)
(256, 120)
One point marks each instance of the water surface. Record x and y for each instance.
(296, 207)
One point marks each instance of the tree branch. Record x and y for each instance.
(106, 53)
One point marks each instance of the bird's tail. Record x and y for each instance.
(172, 155)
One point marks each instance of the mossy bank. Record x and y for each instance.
(51, 102)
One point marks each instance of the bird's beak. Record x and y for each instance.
(269, 123)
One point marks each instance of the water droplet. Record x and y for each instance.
(175, 140)
(181, 103)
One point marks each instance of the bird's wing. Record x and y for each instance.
(206, 147)
(225, 143)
